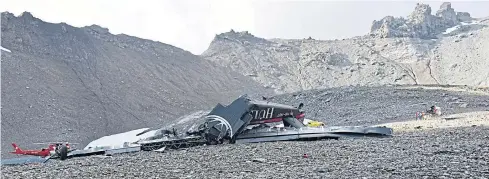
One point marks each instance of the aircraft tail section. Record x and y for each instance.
(16, 149)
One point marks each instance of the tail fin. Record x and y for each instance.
(16, 148)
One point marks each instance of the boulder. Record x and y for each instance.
(420, 23)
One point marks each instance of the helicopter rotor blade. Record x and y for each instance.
(44, 143)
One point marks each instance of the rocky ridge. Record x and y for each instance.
(420, 23)
(456, 57)
(62, 83)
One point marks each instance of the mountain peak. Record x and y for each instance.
(235, 35)
(420, 23)
(26, 14)
(97, 28)
(241, 38)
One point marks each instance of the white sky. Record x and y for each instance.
(192, 24)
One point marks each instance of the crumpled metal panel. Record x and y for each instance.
(292, 133)
(228, 120)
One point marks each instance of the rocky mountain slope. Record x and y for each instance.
(446, 48)
(62, 83)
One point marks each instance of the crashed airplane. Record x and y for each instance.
(243, 121)
(247, 121)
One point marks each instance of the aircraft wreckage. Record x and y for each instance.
(243, 121)
(247, 121)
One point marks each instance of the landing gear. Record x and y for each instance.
(62, 152)
(217, 130)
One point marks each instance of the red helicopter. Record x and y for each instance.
(54, 149)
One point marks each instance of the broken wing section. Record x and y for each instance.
(227, 121)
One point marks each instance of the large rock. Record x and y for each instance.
(464, 17)
(447, 14)
(389, 26)
(62, 83)
(420, 23)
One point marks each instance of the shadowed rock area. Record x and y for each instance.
(62, 83)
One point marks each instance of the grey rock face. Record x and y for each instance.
(464, 16)
(295, 65)
(62, 83)
(448, 14)
(389, 27)
(420, 23)
(418, 49)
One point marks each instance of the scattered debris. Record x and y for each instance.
(463, 105)
(4, 49)
(161, 150)
(259, 160)
(452, 118)
(321, 170)
(102, 156)
(479, 118)
(243, 121)
(433, 111)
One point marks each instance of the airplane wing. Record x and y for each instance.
(49, 157)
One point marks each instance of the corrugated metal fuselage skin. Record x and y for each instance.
(263, 112)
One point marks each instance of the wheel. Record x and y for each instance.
(63, 152)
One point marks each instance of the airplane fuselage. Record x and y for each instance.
(42, 153)
(272, 112)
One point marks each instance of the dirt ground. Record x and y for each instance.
(469, 119)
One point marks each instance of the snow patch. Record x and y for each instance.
(451, 29)
(306, 121)
(4, 49)
(118, 140)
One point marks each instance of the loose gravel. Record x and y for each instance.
(370, 105)
(437, 153)
(361, 105)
